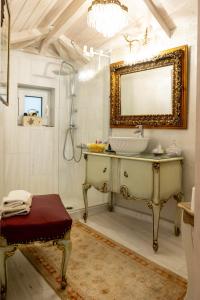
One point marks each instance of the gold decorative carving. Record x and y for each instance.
(104, 187)
(94, 2)
(149, 204)
(156, 166)
(3, 2)
(176, 57)
(5, 50)
(178, 197)
(86, 186)
(126, 195)
(161, 203)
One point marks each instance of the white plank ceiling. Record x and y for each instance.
(49, 26)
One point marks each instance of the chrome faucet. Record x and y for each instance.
(140, 130)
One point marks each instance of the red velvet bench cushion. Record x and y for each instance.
(47, 220)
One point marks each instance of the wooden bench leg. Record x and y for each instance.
(65, 245)
(5, 252)
(3, 277)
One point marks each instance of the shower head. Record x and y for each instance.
(61, 72)
(65, 69)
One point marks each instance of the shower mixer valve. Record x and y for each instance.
(73, 126)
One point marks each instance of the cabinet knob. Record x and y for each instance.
(125, 174)
(104, 170)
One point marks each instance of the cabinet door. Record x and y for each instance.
(137, 177)
(98, 170)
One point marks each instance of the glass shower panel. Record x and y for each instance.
(91, 118)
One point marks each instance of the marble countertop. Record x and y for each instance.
(144, 156)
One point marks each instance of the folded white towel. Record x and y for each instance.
(17, 198)
(14, 212)
(13, 209)
(17, 202)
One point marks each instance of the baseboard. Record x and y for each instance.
(142, 216)
(92, 210)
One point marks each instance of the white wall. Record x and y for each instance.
(186, 33)
(33, 155)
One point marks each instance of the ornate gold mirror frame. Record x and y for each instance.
(4, 51)
(177, 58)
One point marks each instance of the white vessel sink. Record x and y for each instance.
(128, 145)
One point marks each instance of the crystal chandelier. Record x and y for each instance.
(107, 16)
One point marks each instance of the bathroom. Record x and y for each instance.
(77, 93)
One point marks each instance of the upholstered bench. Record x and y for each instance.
(47, 221)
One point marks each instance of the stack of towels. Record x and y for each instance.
(17, 202)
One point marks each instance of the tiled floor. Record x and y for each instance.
(137, 235)
(25, 283)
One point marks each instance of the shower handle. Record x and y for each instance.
(72, 126)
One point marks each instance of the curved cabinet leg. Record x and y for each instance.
(156, 219)
(85, 188)
(177, 223)
(65, 245)
(110, 203)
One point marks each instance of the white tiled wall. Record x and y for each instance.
(31, 158)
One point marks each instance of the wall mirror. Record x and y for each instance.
(152, 93)
(4, 51)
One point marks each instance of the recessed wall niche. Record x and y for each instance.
(36, 106)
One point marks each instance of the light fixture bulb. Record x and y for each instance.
(86, 75)
(142, 50)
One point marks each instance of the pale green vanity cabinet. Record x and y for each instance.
(142, 177)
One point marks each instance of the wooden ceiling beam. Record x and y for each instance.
(24, 14)
(161, 21)
(27, 35)
(55, 12)
(23, 45)
(68, 17)
(63, 52)
(42, 10)
(28, 43)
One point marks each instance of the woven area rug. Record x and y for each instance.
(101, 269)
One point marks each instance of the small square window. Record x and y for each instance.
(33, 104)
(38, 100)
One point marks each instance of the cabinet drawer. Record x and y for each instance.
(98, 169)
(137, 176)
